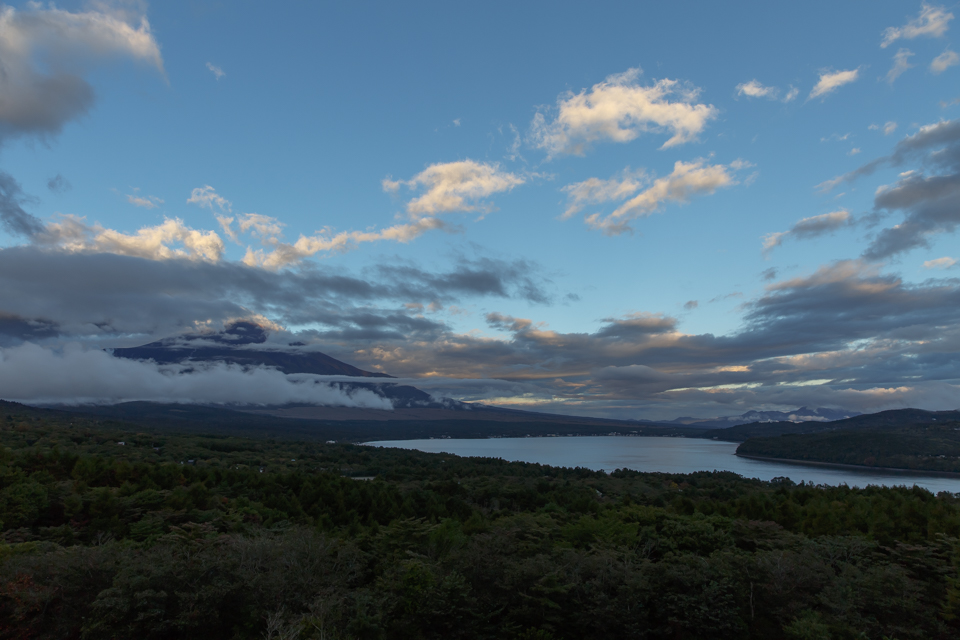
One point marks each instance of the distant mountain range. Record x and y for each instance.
(243, 343)
(803, 414)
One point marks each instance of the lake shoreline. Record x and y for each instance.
(855, 467)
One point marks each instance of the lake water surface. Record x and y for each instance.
(669, 455)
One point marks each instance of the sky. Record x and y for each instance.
(628, 210)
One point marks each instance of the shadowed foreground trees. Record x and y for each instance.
(261, 539)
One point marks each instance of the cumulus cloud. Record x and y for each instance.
(687, 180)
(74, 375)
(811, 227)
(170, 239)
(940, 263)
(901, 62)
(619, 109)
(47, 51)
(754, 89)
(944, 61)
(830, 81)
(455, 186)
(932, 22)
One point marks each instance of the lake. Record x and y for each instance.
(669, 455)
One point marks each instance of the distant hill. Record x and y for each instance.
(891, 418)
(803, 414)
(929, 446)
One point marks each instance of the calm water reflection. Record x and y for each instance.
(671, 455)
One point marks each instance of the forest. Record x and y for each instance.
(919, 447)
(115, 530)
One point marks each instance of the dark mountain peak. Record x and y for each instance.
(239, 344)
(244, 332)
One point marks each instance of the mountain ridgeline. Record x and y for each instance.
(911, 439)
(238, 345)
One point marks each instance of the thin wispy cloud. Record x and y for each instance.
(686, 181)
(215, 70)
(807, 228)
(206, 196)
(901, 62)
(147, 202)
(940, 263)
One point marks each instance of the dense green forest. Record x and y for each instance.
(926, 447)
(111, 530)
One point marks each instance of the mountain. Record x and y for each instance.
(237, 344)
(803, 414)
(228, 346)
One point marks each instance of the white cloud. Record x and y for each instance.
(933, 22)
(688, 179)
(619, 110)
(944, 61)
(754, 89)
(173, 239)
(809, 228)
(170, 239)
(901, 62)
(889, 128)
(831, 81)
(206, 196)
(30, 373)
(284, 254)
(45, 53)
(455, 186)
(217, 71)
(940, 263)
(853, 151)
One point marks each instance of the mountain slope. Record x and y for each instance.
(237, 344)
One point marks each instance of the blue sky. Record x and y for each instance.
(691, 146)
